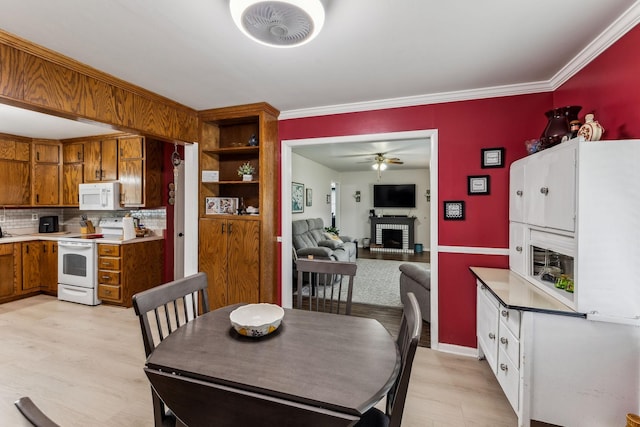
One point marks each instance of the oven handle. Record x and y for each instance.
(75, 245)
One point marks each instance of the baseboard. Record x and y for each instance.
(456, 349)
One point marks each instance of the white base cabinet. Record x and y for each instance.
(559, 369)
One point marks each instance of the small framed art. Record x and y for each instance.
(221, 205)
(478, 185)
(454, 210)
(297, 197)
(492, 157)
(309, 197)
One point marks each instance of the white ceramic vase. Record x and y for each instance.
(591, 130)
(247, 177)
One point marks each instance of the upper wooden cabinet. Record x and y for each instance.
(140, 172)
(101, 160)
(15, 172)
(46, 173)
(72, 172)
(224, 146)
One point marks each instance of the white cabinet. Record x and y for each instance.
(550, 188)
(580, 200)
(498, 332)
(516, 191)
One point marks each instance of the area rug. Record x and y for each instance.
(378, 281)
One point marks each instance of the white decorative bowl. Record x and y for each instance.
(256, 320)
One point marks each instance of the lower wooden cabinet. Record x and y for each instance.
(49, 268)
(10, 270)
(39, 267)
(124, 270)
(230, 255)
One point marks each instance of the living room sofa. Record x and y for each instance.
(416, 279)
(310, 238)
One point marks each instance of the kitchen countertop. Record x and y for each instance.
(64, 235)
(515, 292)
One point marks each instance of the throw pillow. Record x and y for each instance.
(333, 236)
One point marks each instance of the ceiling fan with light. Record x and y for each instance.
(380, 162)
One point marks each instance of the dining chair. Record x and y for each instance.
(33, 414)
(408, 338)
(161, 311)
(327, 276)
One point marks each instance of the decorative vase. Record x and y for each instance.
(558, 126)
(253, 141)
(247, 177)
(591, 130)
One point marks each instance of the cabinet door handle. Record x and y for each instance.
(222, 229)
(230, 228)
(97, 174)
(504, 367)
(504, 314)
(544, 190)
(492, 336)
(519, 193)
(519, 248)
(504, 340)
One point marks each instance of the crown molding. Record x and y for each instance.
(629, 19)
(609, 36)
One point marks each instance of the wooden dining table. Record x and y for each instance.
(316, 369)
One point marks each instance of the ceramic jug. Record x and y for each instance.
(591, 130)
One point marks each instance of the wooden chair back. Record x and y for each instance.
(32, 413)
(326, 280)
(164, 309)
(408, 338)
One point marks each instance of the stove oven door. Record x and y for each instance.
(77, 275)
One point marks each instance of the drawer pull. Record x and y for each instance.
(504, 314)
(106, 277)
(492, 336)
(504, 367)
(504, 340)
(106, 263)
(544, 190)
(518, 248)
(519, 193)
(107, 292)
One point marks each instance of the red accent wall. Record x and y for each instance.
(609, 86)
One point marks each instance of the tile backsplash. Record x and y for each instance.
(21, 221)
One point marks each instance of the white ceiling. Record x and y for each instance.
(369, 53)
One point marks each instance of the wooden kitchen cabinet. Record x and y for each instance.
(9, 270)
(140, 172)
(101, 160)
(49, 267)
(241, 264)
(15, 172)
(46, 174)
(230, 255)
(32, 255)
(72, 172)
(124, 270)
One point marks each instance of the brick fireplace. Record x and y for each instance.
(392, 234)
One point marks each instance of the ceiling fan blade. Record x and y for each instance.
(395, 162)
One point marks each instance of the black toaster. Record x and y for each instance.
(48, 224)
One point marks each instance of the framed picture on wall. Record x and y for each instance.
(454, 210)
(309, 197)
(297, 197)
(492, 157)
(478, 185)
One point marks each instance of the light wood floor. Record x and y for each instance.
(83, 366)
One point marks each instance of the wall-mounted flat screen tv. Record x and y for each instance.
(394, 195)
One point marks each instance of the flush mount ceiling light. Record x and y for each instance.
(285, 23)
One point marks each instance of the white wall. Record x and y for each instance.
(317, 177)
(353, 217)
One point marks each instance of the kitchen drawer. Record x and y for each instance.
(512, 319)
(109, 263)
(509, 343)
(108, 250)
(109, 292)
(109, 277)
(509, 378)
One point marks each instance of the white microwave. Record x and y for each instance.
(100, 196)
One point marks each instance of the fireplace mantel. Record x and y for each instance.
(404, 223)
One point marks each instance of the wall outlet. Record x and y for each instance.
(34, 217)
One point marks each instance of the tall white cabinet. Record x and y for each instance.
(568, 358)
